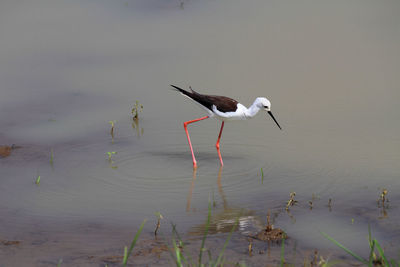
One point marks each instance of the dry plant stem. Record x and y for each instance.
(291, 201)
(268, 227)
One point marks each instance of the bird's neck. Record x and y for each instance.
(252, 110)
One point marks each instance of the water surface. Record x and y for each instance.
(67, 68)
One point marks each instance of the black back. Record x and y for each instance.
(222, 103)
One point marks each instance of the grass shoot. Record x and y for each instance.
(127, 252)
(37, 180)
(262, 176)
(51, 157)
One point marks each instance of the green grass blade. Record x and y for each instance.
(125, 260)
(283, 252)
(219, 259)
(189, 258)
(133, 243)
(177, 254)
(371, 253)
(370, 236)
(59, 262)
(205, 231)
(262, 176)
(345, 249)
(171, 252)
(37, 180)
(382, 254)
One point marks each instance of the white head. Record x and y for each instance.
(263, 103)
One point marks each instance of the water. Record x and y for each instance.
(67, 68)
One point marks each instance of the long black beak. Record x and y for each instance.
(270, 113)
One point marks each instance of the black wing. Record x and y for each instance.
(222, 103)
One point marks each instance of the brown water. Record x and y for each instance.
(67, 68)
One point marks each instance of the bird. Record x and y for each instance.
(224, 109)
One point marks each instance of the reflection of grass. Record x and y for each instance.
(374, 259)
(51, 157)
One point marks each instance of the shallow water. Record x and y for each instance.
(68, 68)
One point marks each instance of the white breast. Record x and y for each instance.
(239, 114)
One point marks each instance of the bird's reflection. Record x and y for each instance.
(189, 197)
(224, 220)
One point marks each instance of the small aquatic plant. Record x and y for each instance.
(37, 180)
(110, 155)
(291, 201)
(382, 198)
(136, 109)
(112, 129)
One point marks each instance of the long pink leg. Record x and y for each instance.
(187, 134)
(217, 144)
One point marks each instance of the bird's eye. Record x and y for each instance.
(265, 106)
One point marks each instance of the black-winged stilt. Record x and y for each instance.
(225, 109)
